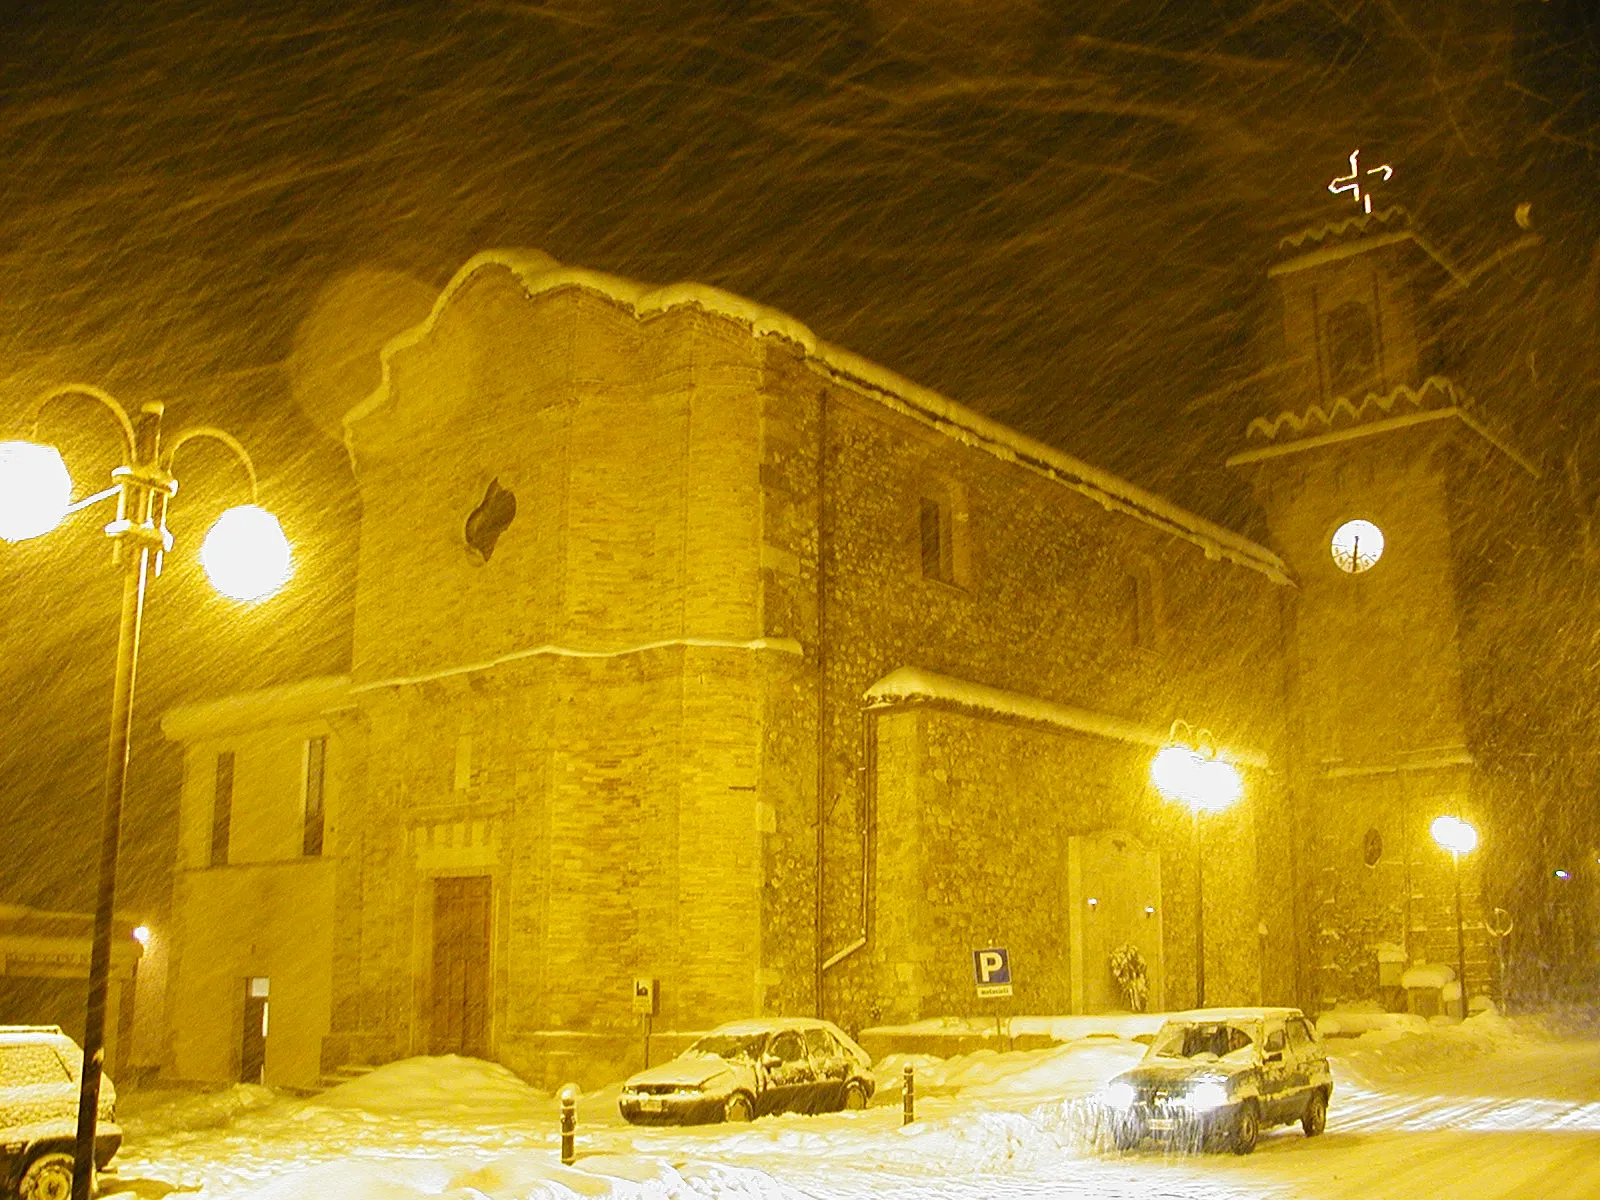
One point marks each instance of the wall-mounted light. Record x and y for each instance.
(1149, 910)
(141, 934)
(1560, 874)
(1093, 902)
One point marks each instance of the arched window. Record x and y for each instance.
(1372, 847)
(1351, 349)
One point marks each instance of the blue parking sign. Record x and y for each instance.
(991, 969)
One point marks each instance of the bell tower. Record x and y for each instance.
(1364, 455)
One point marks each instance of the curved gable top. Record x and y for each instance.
(539, 274)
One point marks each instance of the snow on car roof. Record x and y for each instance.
(15, 1034)
(1234, 1014)
(769, 1024)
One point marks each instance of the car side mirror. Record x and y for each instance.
(771, 1061)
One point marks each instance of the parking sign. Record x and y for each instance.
(991, 968)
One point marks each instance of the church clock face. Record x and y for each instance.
(1357, 546)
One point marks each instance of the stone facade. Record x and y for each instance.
(691, 650)
(641, 713)
(1383, 740)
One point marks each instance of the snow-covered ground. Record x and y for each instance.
(1486, 1110)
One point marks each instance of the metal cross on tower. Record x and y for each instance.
(1352, 182)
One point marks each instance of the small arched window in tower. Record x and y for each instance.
(1351, 350)
(1372, 847)
(490, 519)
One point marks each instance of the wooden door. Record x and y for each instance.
(460, 993)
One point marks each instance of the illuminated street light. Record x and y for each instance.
(1458, 837)
(1196, 776)
(35, 496)
(35, 490)
(245, 554)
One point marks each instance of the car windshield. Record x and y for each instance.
(730, 1045)
(1208, 1039)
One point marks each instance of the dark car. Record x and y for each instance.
(39, 1081)
(750, 1068)
(1220, 1076)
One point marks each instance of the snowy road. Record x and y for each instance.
(1446, 1114)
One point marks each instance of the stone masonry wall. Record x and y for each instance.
(580, 717)
(1040, 607)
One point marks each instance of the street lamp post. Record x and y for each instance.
(1196, 776)
(1458, 837)
(246, 557)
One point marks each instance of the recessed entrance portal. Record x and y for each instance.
(460, 991)
(253, 1046)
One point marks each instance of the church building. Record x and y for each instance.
(705, 670)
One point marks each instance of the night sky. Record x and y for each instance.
(1058, 213)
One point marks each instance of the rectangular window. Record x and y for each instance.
(316, 770)
(937, 542)
(222, 809)
(1133, 611)
(1141, 608)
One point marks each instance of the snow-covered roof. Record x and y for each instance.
(906, 685)
(289, 703)
(1355, 235)
(1437, 399)
(539, 274)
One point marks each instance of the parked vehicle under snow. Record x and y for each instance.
(748, 1069)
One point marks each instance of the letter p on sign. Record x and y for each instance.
(991, 969)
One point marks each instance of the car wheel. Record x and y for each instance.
(1315, 1119)
(48, 1177)
(738, 1108)
(855, 1096)
(1247, 1127)
(1126, 1134)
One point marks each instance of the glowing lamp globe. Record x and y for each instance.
(1454, 835)
(245, 554)
(1173, 771)
(1204, 784)
(35, 490)
(1216, 785)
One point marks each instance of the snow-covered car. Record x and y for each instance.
(1220, 1076)
(40, 1072)
(747, 1069)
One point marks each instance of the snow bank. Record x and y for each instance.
(1392, 1046)
(1074, 1070)
(1339, 1023)
(441, 1088)
(1063, 1029)
(150, 1113)
(517, 1177)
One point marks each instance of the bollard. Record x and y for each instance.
(909, 1095)
(569, 1122)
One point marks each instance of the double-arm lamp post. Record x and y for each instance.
(246, 557)
(1187, 768)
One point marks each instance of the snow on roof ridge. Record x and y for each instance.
(906, 685)
(539, 273)
(300, 700)
(1394, 214)
(1316, 415)
(1460, 406)
(1111, 492)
